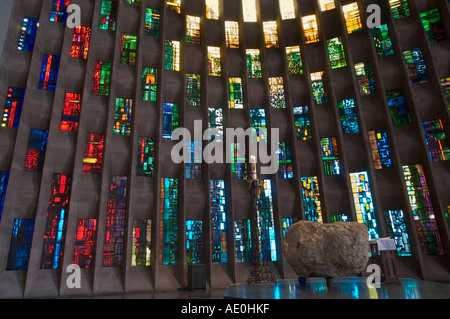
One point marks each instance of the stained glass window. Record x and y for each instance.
(172, 55)
(400, 8)
(142, 239)
(4, 177)
(249, 10)
(102, 78)
(352, 17)
(398, 108)
(218, 221)
(433, 26)
(276, 88)
(194, 166)
(422, 209)
(20, 246)
(381, 152)
(212, 9)
(128, 49)
(215, 124)
(115, 221)
(284, 155)
(194, 241)
(436, 140)
(320, 94)
(192, 29)
(238, 161)
(84, 248)
(294, 60)
(287, 9)
(56, 222)
(382, 40)
(235, 98)
(335, 218)
(149, 84)
(193, 90)
(258, 122)
(93, 153)
(362, 198)
(135, 2)
(270, 34)
(35, 155)
(302, 123)
(49, 72)
(330, 156)
(348, 116)
(170, 119)
(108, 15)
(286, 223)
(59, 10)
(152, 22)
(214, 67)
(80, 42)
(326, 5)
(146, 156)
(174, 5)
(396, 227)
(71, 112)
(122, 116)
(311, 199)
(169, 224)
(254, 63)
(310, 28)
(232, 34)
(28, 33)
(445, 84)
(336, 53)
(415, 65)
(266, 222)
(243, 240)
(365, 78)
(13, 107)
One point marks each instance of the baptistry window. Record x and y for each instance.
(142, 239)
(235, 98)
(71, 112)
(294, 60)
(192, 29)
(287, 9)
(28, 33)
(310, 28)
(152, 22)
(80, 42)
(266, 223)
(433, 26)
(169, 221)
(170, 119)
(311, 199)
(194, 242)
(336, 53)
(285, 169)
(4, 178)
(320, 95)
(13, 107)
(214, 67)
(249, 10)
(238, 161)
(382, 40)
(365, 78)
(174, 5)
(149, 84)
(102, 78)
(212, 9)
(49, 72)
(172, 55)
(20, 246)
(59, 11)
(396, 229)
(84, 245)
(397, 107)
(215, 124)
(436, 140)
(445, 84)
(145, 156)
(35, 155)
(194, 165)
(399, 8)
(122, 116)
(128, 49)
(270, 34)
(232, 34)
(330, 156)
(352, 17)
(276, 92)
(93, 153)
(381, 151)
(243, 240)
(259, 124)
(108, 15)
(415, 65)
(302, 123)
(326, 5)
(218, 221)
(193, 90)
(348, 116)
(254, 63)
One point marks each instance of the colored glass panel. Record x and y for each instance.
(59, 11)
(108, 15)
(336, 53)
(348, 116)
(93, 153)
(146, 156)
(71, 112)
(294, 60)
(4, 178)
(254, 69)
(352, 17)
(194, 242)
(415, 65)
(142, 239)
(28, 32)
(152, 22)
(169, 221)
(396, 227)
(320, 94)
(276, 92)
(311, 199)
(35, 155)
(365, 78)
(193, 90)
(284, 155)
(149, 84)
(102, 78)
(232, 34)
(310, 29)
(381, 151)
(436, 140)
(128, 49)
(270, 34)
(20, 245)
(302, 123)
(398, 108)
(214, 67)
(382, 40)
(122, 116)
(172, 55)
(13, 107)
(192, 29)
(243, 240)
(84, 248)
(170, 119)
(49, 72)
(235, 96)
(330, 156)
(218, 221)
(80, 42)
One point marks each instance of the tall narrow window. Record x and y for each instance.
(445, 84)
(336, 53)
(436, 140)
(326, 5)
(287, 9)
(59, 10)
(28, 33)
(400, 8)
(320, 95)
(194, 165)
(270, 34)
(232, 34)
(214, 67)
(352, 17)
(215, 124)
(382, 40)
(286, 223)
(294, 60)
(396, 228)
(417, 70)
(194, 242)
(80, 42)
(311, 199)
(433, 26)
(35, 155)
(4, 178)
(20, 246)
(302, 123)
(115, 222)
(108, 15)
(381, 152)
(254, 69)
(243, 240)
(310, 28)
(49, 72)
(122, 116)
(422, 209)
(71, 112)
(102, 78)
(348, 116)
(146, 156)
(397, 107)
(212, 9)
(169, 221)
(172, 55)
(235, 98)
(193, 90)
(266, 224)
(258, 122)
(84, 248)
(365, 77)
(142, 239)
(149, 83)
(13, 107)
(174, 5)
(93, 153)
(249, 10)
(330, 156)
(284, 155)
(192, 29)
(128, 49)
(238, 161)
(362, 197)
(55, 229)
(218, 221)
(152, 22)
(276, 91)
(170, 119)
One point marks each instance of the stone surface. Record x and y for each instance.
(327, 250)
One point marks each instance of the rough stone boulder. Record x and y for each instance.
(327, 250)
